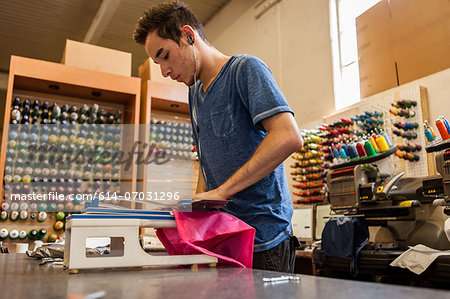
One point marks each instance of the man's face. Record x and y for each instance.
(176, 61)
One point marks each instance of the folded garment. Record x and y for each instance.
(418, 258)
(213, 233)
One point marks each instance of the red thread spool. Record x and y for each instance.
(361, 150)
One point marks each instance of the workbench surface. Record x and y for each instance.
(22, 277)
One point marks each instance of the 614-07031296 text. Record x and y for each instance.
(152, 196)
(102, 196)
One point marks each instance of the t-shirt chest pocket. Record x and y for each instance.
(222, 120)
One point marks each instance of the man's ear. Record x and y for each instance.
(189, 33)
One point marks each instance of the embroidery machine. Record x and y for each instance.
(122, 227)
(368, 187)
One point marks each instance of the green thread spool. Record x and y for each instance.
(369, 149)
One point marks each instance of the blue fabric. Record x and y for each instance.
(227, 131)
(345, 237)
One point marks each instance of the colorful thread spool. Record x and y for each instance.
(430, 128)
(382, 143)
(52, 238)
(42, 232)
(374, 146)
(22, 234)
(342, 153)
(58, 225)
(388, 139)
(428, 133)
(446, 123)
(352, 151)
(361, 150)
(60, 216)
(344, 146)
(370, 151)
(335, 151)
(442, 129)
(32, 234)
(4, 233)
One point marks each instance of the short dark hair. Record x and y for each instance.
(167, 18)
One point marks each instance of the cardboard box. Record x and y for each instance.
(376, 62)
(421, 37)
(96, 58)
(400, 41)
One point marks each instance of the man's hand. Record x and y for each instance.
(215, 194)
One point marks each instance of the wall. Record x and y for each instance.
(293, 38)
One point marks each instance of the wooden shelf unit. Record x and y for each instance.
(58, 83)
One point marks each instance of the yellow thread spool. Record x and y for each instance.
(374, 144)
(382, 143)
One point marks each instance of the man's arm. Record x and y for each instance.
(201, 186)
(283, 139)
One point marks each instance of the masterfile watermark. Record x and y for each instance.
(83, 156)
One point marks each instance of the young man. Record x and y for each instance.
(243, 128)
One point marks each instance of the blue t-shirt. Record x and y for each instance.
(227, 131)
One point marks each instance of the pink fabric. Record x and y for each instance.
(213, 233)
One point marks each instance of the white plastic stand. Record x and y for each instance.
(125, 247)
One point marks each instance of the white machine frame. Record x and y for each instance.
(130, 251)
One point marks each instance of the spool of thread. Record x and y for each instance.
(42, 232)
(14, 215)
(382, 143)
(42, 216)
(374, 146)
(22, 234)
(32, 234)
(52, 238)
(352, 151)
(13, 234)
(60, 216)
(447, 125)
(370, 151)
(4, 233)
(388, 140)
(335, 151)
(361, 150)
(23, 215)
(393, 111)
(344, 146)
(342, 153)
(428, 133)
(58, 225)
(430, 128)
(442, 129)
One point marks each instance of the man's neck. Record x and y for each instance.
(211, 62)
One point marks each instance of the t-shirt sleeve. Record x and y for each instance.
(259, 91)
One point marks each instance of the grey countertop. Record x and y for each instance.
(21, 277)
